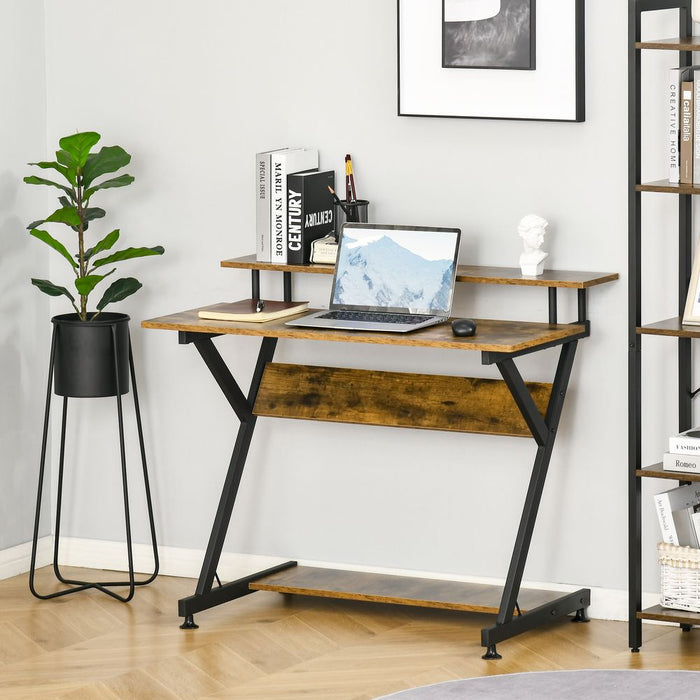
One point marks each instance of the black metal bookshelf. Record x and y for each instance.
(684, 44)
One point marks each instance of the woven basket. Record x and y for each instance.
(680, 577)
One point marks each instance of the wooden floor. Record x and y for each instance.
(268, 645)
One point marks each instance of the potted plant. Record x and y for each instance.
(85, 340)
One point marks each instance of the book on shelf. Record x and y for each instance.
(325, 250)
(677, 462)
(674, 509)
(695, 522)
(247, 310)
(262, 205)
(677, 76)
(686, 150)
(282, 164)
(687, 442)
(309, 212)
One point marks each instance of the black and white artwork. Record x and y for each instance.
(488, 34)
(476, 59)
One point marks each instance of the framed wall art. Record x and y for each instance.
(492, 59)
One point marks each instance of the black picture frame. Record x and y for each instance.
(553, 91)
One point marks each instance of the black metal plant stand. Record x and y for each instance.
(79, 585)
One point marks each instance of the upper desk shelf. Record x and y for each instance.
(475, 274)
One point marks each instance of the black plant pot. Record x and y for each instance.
(85, 355)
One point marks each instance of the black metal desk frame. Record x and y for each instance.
(544, 431)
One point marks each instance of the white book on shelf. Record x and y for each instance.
(282, 163)
(674, 508)
(679, 462)
(687, 442)
(676, 77)
(262, 205)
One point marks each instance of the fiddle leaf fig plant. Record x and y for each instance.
(81, 167)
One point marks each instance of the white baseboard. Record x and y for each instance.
(606, 603)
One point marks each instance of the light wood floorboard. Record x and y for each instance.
(269, 646)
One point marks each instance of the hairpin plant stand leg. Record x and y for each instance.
(79, 585)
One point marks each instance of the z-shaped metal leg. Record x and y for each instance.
(204, 597)
(544, 431)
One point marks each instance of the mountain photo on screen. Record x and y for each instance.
(396, 269)
(488, 34)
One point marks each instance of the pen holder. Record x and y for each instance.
(357, 212)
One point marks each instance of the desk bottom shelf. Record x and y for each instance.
(399, 590)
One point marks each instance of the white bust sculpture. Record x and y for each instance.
(532, 229)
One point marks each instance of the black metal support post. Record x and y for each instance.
(255, 284)
(552, 292)
(79, 585)
(544, 431)
(204, 597)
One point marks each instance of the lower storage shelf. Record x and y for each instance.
(399, 590)
(680, 617)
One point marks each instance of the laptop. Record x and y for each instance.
(390, 278)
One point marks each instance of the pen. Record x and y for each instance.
(338, 201)
(350, 194)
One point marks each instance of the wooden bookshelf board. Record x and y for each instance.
(672, 327)
(657, 471)
(475, 274)
(680, 617)
(400, 400)
(398, 590)
(688, 43)
(668, 187)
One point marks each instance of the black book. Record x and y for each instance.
(309, 212)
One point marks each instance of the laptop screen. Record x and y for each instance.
(409, 269)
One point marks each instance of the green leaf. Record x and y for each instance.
(121, 181)
(71, 166)
(52, 289)
(118, 290)
(105, 244)
(78, 146)
(94, 213)
(56, 245)
(34, 224)
(86, 284)
(108, 160)
(34, 180)
(45, 165)
(67, 215)
(129, 253)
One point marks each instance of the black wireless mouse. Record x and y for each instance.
(463, 327)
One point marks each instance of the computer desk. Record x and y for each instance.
(509, 406)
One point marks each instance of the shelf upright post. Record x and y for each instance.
(635, 314)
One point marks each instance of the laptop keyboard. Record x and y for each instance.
(374, 317)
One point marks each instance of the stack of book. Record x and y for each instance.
(683, 452)
(684, 125)
(294, 206)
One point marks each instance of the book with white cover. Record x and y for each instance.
(282, 163)
(687, 442)
(263, 198)
(695, 520)
(679, 462)
(677, 76)
(674, 508)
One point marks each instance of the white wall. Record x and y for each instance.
(193, 90)
(24, 312)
